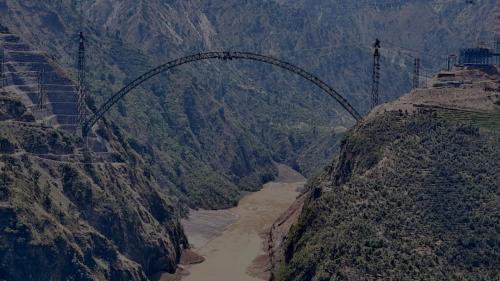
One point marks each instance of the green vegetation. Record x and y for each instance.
(485, 121)
(101, 221)
(192, 119)
(207, 133)
(207, 142)
(411, 197)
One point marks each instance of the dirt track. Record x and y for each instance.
(231, 241)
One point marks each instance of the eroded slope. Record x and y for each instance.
(83, 216)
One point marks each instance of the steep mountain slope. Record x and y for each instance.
(413, 194)
(25, 69)
(202, 152)
(256, 112)
(70, 215)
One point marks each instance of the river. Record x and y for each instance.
(232, 241)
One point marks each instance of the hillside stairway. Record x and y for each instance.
(23, 68)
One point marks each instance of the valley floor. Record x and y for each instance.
(232, 241)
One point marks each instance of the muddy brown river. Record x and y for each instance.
(231, 241)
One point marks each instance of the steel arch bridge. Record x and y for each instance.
(94, 118)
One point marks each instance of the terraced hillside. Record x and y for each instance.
(26, 71)
(85, 216)
(485, 120)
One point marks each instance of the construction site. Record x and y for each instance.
(57, 99)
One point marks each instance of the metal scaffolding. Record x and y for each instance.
(475, 56)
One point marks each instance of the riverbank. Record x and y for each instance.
(234, 242)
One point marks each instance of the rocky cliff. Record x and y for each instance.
(67, 214)
(412, 195)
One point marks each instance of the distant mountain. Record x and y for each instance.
(211, 129)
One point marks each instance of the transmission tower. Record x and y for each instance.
(497, 32)
(416, 73)
(376, 74)
(2, 61)
(81, 80)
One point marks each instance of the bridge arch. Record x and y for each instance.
(94, 118)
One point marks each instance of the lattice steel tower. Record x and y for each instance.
(416, 73)
(376, 74)
(497, 33)
(2, 74)
(81, 80)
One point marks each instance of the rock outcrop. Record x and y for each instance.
(82, 215)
